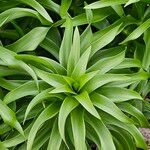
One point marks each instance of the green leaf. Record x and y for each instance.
(86, 38)
(30, 41)
(89, 14)
(38, 7)
(137, 32)
(102, 132)
(123, 94)
(118, 9)
(128, 63)
(99, 80)
(15, 13)
(47, 62)
(98, 15)
(131, 1)
(104, 3)
(108, 106)
(36, 100)
(84, 99)
(133, 78)
(78, 128)
(9, 117)
(49, 4)
(128, 108)
(65, 4)
(55, 138)
(139, 140)
(52, 79)
(8, 84)
(9, 58)
(66, 43)
(92, 135)
(101, 41)
(28, 88)
(74, 53)
(86, 77)
(47, 114)
(81, 65)
(146, 58)
(62, 89)
(67, 106)
(106, 64)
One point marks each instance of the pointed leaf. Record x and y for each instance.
(67, 106)
(38, 7)
(84, 99)
(78, 128)
(102, 132)
(106, 64)
(123, 94)
(55, 138)
(138, 31)
(108, 106)
(74, 53)
(28, 88)
(101, 41)
(9, 117)
(47, 62)
(65, 4)
(15, 13)
(99, 80)
(128, 108)
(47, 114)
(30, 41)
(81, 65)
(66, 43)
(104, 3)
(52, 79)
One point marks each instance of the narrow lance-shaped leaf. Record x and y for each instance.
(74, 53)
(47, 114)
(65, 4)
(15, 13)
(146, 58)
(84, 99)
(104, 3)
(52, 79)
(37, 6)
(28, 88)
(81, 65)
(30, 41)
(128, 63)
(100, 80)
(138, 31)
(139, 140)
(100, 42)
(128, 108)
(106, 64)
(9, 117)
(36, 100)
(9, 57)
(55, 138)
(102, 132)
(66, 43)
(123, 94)
(67, 106)
(108, 106)
(89, 14)
(47, 62)
(78, 128)
(131, 1)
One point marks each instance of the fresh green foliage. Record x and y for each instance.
(74, 74)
